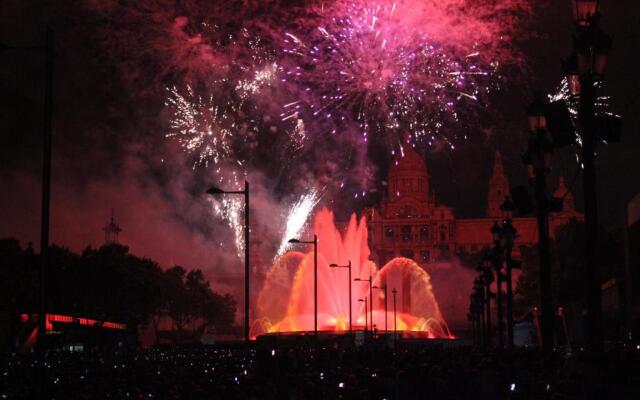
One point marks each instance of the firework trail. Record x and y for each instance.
(230, 208)
(297, 217)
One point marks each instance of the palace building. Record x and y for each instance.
(410, 222)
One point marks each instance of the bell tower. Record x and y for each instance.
(498, 188)
(111, 230)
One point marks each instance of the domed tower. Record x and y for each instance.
(498, 188)
(408, 176)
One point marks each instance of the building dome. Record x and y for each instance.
(408, 175)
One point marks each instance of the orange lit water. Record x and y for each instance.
(285, 302)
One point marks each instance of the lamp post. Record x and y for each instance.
(366, 321)
(496, 259)
(314, 242)
(508, 237)
(585, 68)
(538, 161)
(472, 317)
(216, 191)
(585, 10)
(47, 138)
(487, 278)
(350, 299)
(384, 291)
(476, 309)
(369, 281)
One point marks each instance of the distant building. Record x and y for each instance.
(111, 230)
(410, 222)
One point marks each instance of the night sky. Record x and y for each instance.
(110, 151)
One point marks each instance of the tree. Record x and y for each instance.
(567, 269)
(107, 283)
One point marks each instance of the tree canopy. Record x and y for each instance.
(107, 283)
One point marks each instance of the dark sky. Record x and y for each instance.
(107, 153)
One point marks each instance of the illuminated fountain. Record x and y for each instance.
(285, 303)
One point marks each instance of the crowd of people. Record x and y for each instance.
(322, 372)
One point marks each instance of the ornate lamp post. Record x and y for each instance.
(538, 161)
(477, 310)
(486, 269)
(472, 316)
(350, 299)
(215, 191)
(508, 237)
(585, 68)
(497, 259)
(314, 242)
(585, 10)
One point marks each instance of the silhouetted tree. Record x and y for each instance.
(107, 283)
(567, 269)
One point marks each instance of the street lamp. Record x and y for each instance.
(349, 282)
(537, 158)
(585, 11)
(47, 133)
(538, 154)
(591, 51)
(570, 67)
(384, 291)
(369, 281)
(366, 321)
(476, 310)
(592, 48)
(496, 232)
(314, 242)
(496, 257)
(217, 191)
(487, 278)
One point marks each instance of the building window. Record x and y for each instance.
(388, 233)
(406, 233)
(407, 254)
(444, 252)
(424, 232)
(424, 256)
(408, 212)
(443, 233)
(452, 232)
(474, 248)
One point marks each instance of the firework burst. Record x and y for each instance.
(200, 125)
(602, 106)
(217, 120)
(365, 64)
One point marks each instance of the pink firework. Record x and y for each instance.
(384, 65)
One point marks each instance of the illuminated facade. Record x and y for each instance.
(411, 223)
